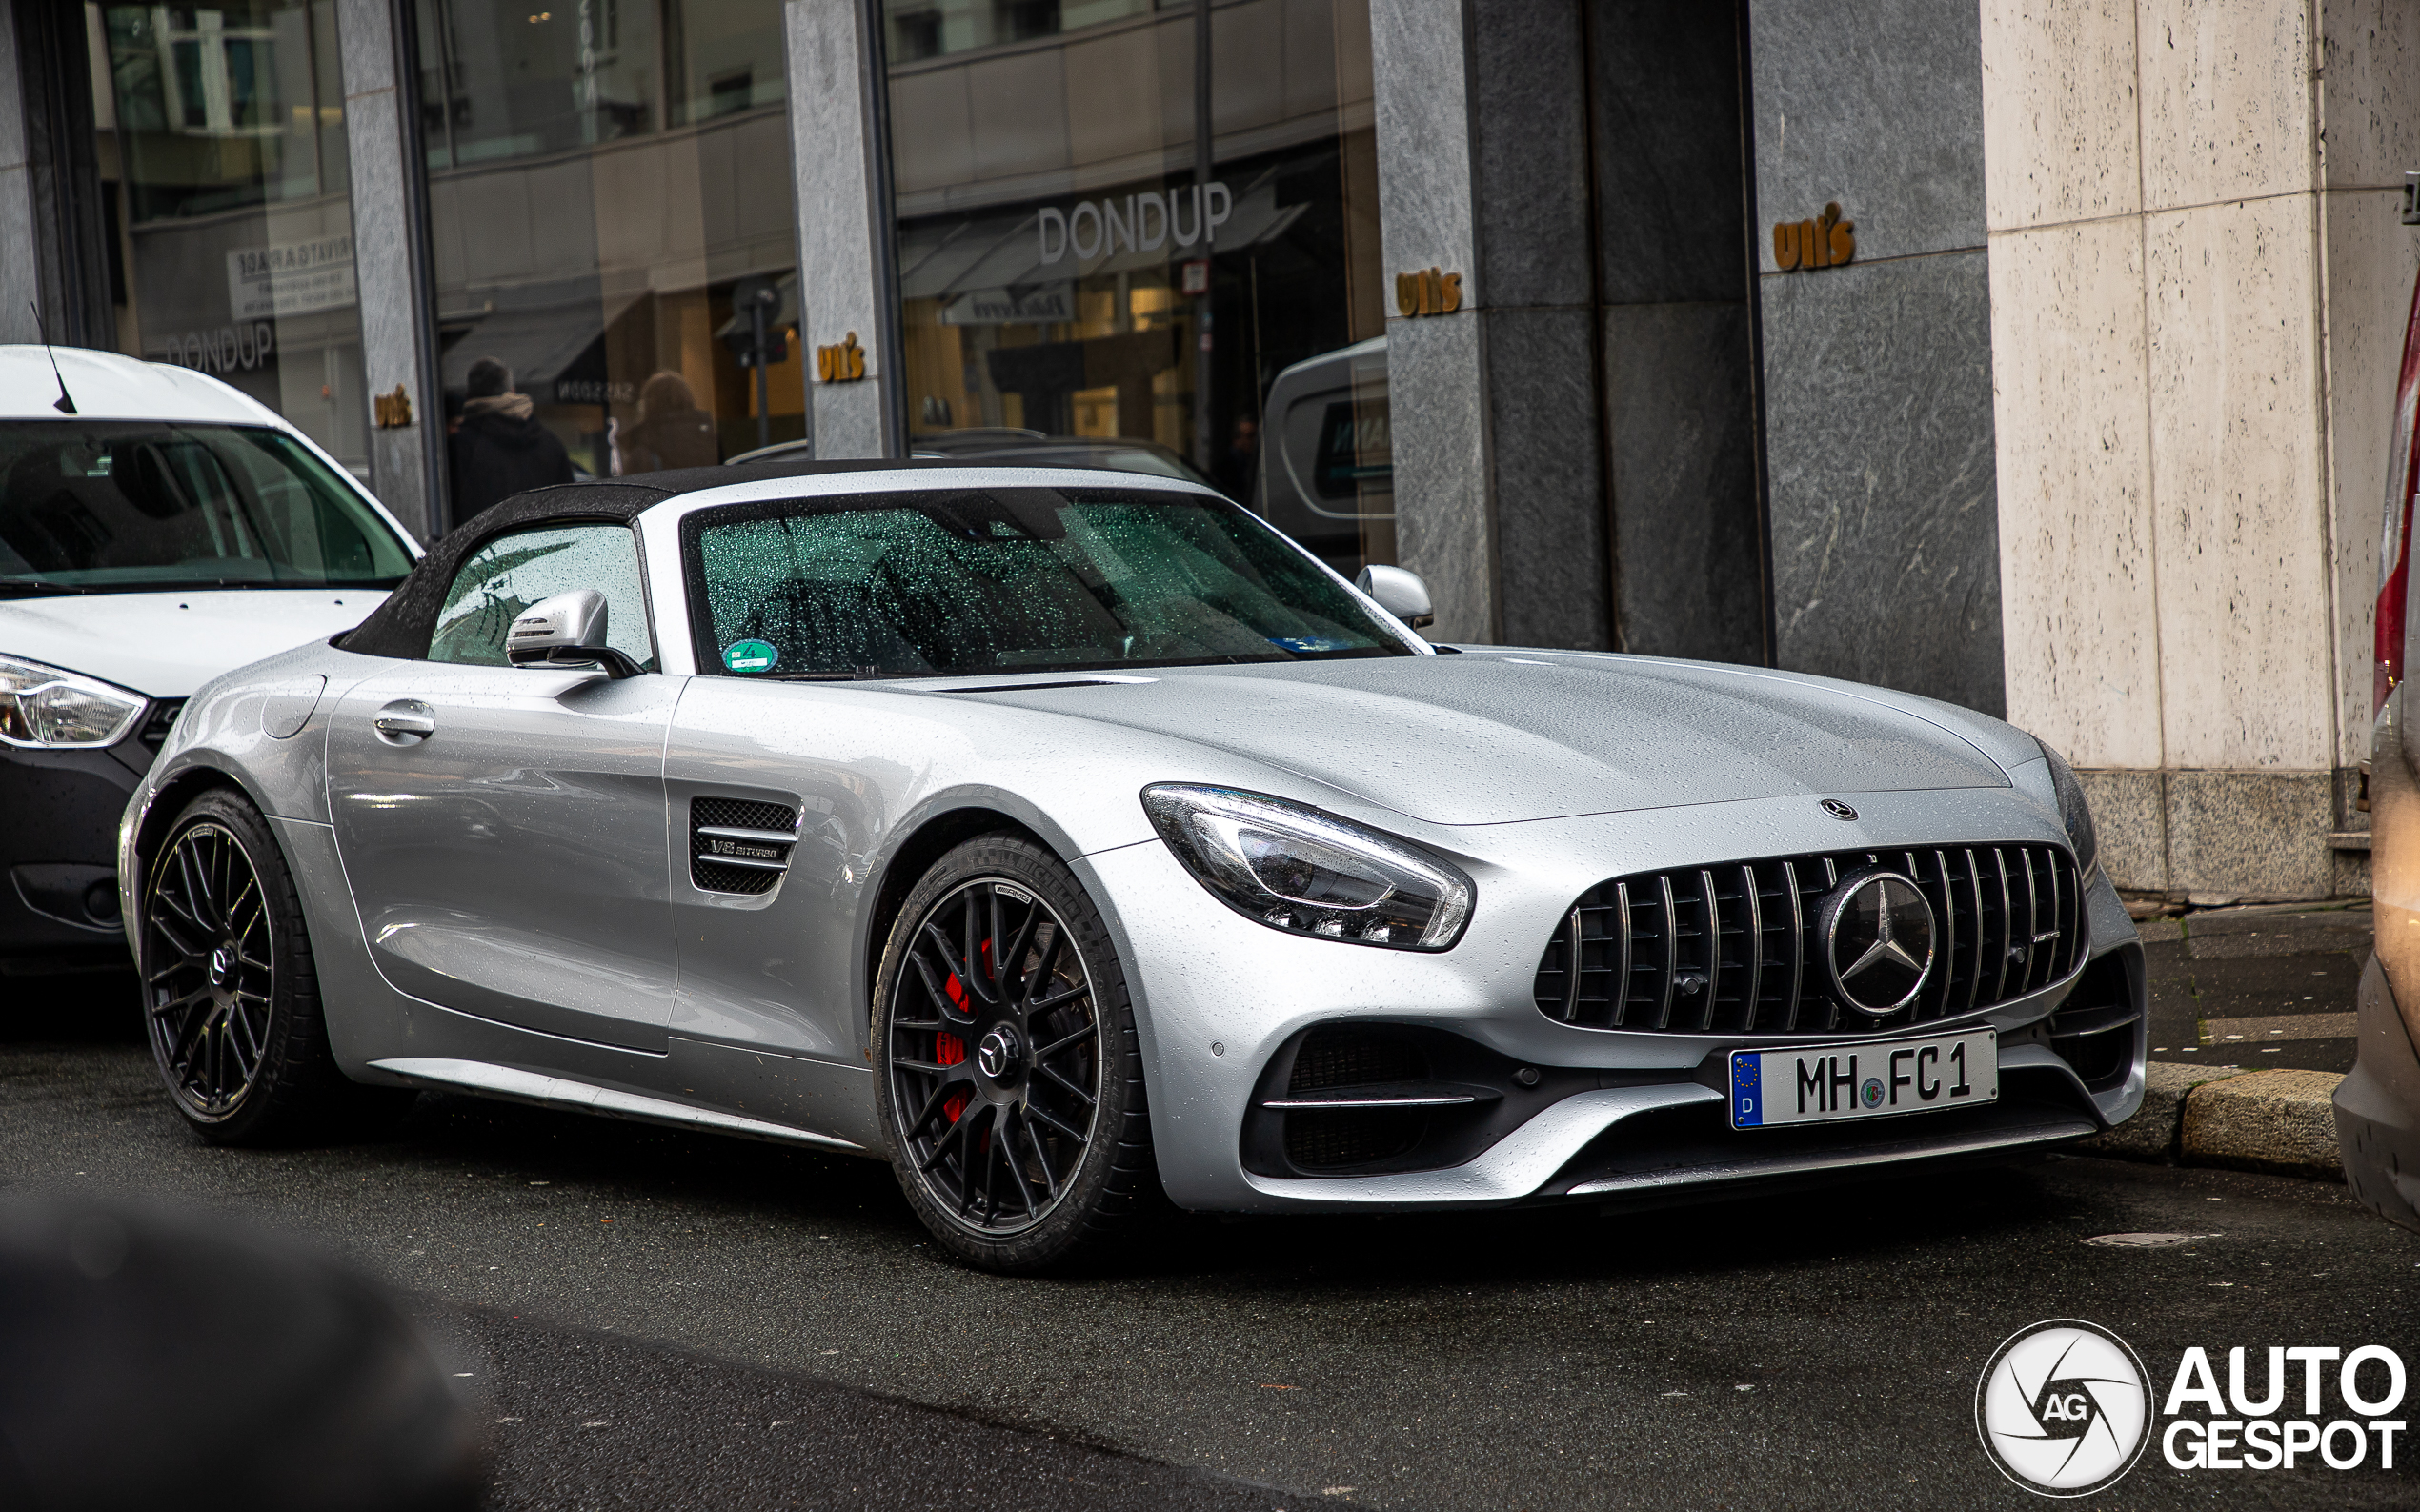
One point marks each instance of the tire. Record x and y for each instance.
(231, 997)
(972, 1062)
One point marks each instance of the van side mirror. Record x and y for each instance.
(1400, 592)
(565, 631)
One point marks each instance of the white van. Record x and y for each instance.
(158, 527)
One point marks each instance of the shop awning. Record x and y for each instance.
(540, 344)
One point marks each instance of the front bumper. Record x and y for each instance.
(1614, 1116)
(2378, 1106)
(58, 854)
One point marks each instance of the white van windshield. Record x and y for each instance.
(131, 506)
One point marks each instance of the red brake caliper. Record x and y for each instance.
(948, 1049)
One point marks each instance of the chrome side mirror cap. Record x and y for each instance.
(1400, 592)
(565, 631)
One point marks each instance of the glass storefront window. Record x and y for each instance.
(608, 188)
(224, 182)
(1061, 270)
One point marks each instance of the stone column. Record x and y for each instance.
(1482, 113)
(391, 264)
(2199, 287)
(845, 278)
(20, 257)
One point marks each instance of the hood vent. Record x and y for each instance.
(736, 846)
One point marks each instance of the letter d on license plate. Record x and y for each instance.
(1872, 1079)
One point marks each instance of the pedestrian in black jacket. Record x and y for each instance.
(500, 448)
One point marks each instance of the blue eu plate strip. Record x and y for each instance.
(1747, 1099)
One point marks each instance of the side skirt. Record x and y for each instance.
(555, 1092)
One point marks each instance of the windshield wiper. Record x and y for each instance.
(33, 586)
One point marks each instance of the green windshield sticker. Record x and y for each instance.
(749, 655)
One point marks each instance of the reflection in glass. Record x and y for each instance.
(224, 178)
(606, 180)
(1058, 260)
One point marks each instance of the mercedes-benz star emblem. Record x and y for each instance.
(222, 965)
(1878, 940)
(1839, 810)
(997, 1054)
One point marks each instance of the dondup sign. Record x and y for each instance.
(1146, 222)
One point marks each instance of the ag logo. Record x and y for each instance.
(2062, 1409)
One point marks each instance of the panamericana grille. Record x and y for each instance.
(736, 846)
(1735, 949)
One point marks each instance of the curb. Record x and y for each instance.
(2282, 1123)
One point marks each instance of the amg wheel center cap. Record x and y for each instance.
(998, 1053)
(1878, 942)
(222, 965)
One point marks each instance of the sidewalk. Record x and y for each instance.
(2251, 1026)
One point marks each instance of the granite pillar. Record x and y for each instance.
(845, 267)
(391, 264)
(20, 280)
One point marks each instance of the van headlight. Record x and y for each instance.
(1305, 872)
(47, 708)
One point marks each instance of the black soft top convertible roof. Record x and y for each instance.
(402, 626)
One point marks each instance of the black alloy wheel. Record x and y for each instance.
(229, 991)
(208, 969)
(1012, 1084)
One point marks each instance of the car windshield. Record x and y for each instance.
(927, 584)
(131, 506)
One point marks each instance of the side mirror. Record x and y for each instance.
(1399, 592)
(565, 631)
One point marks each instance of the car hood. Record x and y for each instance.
(165, 645)
(1494, 739)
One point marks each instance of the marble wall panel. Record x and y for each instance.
(2372, 261)
(1541, 424)
(1529, 146)
(1666, 94)
(1879, 108)
(1445, 530)
(2250, 836)
(2369, 80)
(2060, 119)
(1879, 454)
(2074, 461)
(2228, 108)
(2239, 518)
(2130, 819)
(1680, 428)
(1424, 133)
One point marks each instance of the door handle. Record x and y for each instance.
(406, 721)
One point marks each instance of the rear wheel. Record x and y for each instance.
(231, 994)
(1011, 1079)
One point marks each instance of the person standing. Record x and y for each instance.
(672, 431)
(499, 449)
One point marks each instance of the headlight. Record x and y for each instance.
(2073, 810)
(1296, 869)
(43, 706)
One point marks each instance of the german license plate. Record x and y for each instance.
(1870, 1079)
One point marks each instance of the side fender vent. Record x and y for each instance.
(740, 847)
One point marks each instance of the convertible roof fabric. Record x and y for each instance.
(403, 625)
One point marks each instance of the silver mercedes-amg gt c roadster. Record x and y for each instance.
(1070, 839)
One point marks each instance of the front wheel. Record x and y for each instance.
(1011, 1080)
(229, 991)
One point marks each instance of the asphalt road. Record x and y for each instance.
(653, 1318)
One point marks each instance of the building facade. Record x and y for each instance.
(2038, 358)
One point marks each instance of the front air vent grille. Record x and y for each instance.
(1324, 1140)
(737, 846)
(1736, 948)
(159, 722)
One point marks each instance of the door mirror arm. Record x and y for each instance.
(567, 630)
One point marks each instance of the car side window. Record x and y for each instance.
(505, 576)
